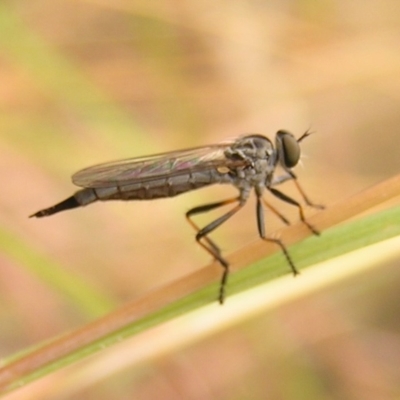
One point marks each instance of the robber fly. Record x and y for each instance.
(248, 162)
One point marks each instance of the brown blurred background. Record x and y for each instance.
(84, 82)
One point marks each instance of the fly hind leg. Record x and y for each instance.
(207, 244)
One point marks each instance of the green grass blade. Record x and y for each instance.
(83, 296)
(182, 296)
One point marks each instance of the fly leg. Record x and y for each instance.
(261, 231)
(293, 202)
(207, 243)
(291, 176)
(276, 212)
(213, 249)
(305, 197)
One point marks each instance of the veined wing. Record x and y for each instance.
(159, 166)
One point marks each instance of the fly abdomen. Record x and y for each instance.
(80, 198)
(67, 204)
(159, 188)
(152, 189)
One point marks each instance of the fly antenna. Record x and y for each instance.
(305, 134)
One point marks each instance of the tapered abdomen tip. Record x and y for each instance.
(67, 204)
(42, 213)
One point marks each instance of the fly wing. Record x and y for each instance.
(159, 166)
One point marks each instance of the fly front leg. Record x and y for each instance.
(291, 176)
(207, 243)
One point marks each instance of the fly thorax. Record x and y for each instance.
(251, 148)
(259, 173)
(256, 159)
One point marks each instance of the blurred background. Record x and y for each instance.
(82, 82)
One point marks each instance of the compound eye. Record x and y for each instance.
(289, 149)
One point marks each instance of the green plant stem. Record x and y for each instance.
(200, 288)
